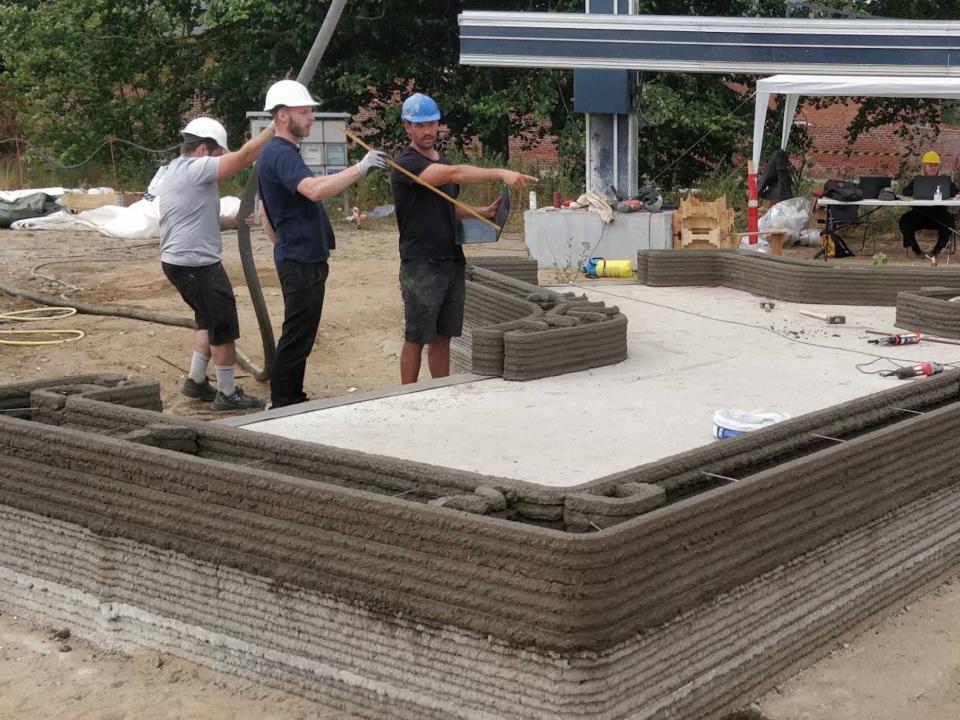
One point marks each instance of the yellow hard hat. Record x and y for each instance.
(930, 158)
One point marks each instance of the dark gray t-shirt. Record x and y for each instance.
(189, 200)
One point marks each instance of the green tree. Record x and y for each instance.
(381, 52)
(78, 71)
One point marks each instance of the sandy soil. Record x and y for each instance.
(908, 667)
(356, 349)
(43, 677)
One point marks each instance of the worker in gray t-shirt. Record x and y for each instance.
(191, 253)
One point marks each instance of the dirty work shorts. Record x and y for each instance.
(433, 295)
(207, 290)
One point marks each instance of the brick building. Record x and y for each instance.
(878, 151)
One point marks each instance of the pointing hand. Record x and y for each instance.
(515, 180)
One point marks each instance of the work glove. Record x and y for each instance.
(373, 160)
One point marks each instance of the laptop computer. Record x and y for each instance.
(925, 186)
(471, 231)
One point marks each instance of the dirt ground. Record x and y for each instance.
(889, 672)
(357, 346)
(45, 678)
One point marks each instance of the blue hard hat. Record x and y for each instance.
(419, 108)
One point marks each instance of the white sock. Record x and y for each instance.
(198, 367)
(225, 382)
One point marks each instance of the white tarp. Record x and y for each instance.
(140, 220)
(793, 86)
(12, 195)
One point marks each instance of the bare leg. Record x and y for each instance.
(438, 356)
(224, 355)
(201, 343)
(410, 362)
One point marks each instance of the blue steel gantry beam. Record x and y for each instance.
(760, 46)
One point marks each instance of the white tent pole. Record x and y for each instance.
(759, 117)
(789, 110)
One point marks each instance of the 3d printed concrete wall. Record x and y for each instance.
(931, 310)
(294, 563)
(791, 279)
(520, 331)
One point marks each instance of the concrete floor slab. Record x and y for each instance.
(691, 351)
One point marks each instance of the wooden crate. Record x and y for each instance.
(699, 224)
(78, 202)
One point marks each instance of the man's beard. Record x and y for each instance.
(300, 131)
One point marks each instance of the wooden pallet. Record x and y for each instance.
(78, 202)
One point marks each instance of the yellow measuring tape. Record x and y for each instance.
(46, 337)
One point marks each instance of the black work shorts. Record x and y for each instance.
(207, 290)
(433, 296)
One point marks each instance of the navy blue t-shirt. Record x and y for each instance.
(427, 222)
(304, 233)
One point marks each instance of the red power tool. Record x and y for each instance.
(927, 368)
(910, 338)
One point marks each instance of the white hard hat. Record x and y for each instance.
(289, 93)
(207, 127)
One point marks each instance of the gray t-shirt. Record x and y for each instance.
(189, 200)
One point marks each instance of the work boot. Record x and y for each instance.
(915, 249)
(198, 391)
(238, 400)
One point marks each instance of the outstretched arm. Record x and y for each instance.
(439, 174)
(233, 162)
(327, 186)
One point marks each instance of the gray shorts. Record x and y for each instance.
(433, 296)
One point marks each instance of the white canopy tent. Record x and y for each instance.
(793, 86)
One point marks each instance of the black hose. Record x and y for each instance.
(253, 281)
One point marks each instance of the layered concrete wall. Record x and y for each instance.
(522, 332)
(516, 266)
(930, 310)
(791, 279)
(379, 585)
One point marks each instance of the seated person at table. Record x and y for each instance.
(927, 218)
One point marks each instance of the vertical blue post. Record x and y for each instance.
(606, 96)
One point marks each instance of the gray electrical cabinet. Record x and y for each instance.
(325, 149)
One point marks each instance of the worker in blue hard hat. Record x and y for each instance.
(432, 279)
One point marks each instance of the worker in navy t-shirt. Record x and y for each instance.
(432, 279)
(294, 218)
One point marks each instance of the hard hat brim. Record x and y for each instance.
(423, 118)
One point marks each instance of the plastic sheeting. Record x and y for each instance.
(32, 204)
(140, 220)
(12, 195)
